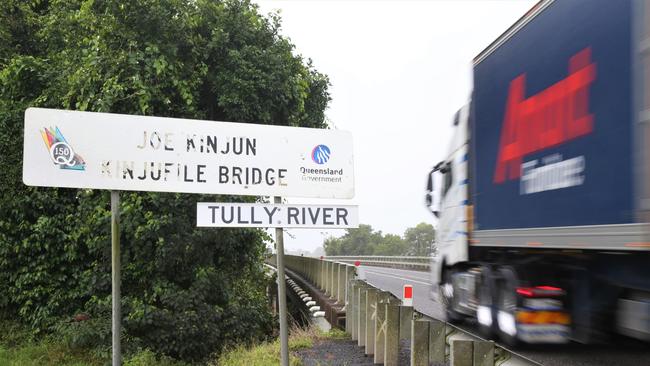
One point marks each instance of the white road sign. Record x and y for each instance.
(215, 214)
(138, 153)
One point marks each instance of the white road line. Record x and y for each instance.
(400, 272)
(411, 276)
(399, 278)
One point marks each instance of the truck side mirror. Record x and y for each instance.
(428, 197)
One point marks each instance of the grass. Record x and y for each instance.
(269, 353)
(18, 347)
(44, 354)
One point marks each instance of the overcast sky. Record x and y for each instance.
(399, 71)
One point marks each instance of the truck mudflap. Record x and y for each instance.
(633, 318)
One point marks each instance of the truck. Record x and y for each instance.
(543, 200)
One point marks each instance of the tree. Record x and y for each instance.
(417, 241)
(359, 241)
(364, 241)
(390, 244)
(186, 292)
(332, 246)
(420, 239)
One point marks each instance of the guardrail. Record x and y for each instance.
(381, 324)
(417, 263)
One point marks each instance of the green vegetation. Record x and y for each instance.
(45, 353)
(264, 354)
(19, 347)
(417, 241)
(269, 353)
(188, 293)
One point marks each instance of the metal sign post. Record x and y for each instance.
(115, 277)
(282, 294)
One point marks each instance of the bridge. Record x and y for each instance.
(364, 296)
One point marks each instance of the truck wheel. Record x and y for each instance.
(486, 313)
(507, 307)
(446, 296)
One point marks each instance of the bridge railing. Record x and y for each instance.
(381, 324)
(406, 262)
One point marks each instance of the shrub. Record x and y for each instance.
(186, 292)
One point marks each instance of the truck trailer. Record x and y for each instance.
(543, 200)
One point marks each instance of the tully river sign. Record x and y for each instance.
(225, 214)
(138, 153)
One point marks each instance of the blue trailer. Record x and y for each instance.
(544, 201)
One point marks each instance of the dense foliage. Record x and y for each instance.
(187, 292)
(417, 241)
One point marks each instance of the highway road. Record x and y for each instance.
(620, 351)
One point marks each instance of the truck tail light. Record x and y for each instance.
(540, 291)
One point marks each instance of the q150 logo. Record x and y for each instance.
(547, 119)
(60, 150)
(320, 154)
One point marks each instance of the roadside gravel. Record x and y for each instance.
(344, 352)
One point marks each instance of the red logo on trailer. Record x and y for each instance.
(357, 263)
(555, 115)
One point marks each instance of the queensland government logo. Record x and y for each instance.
(60, 150)
(320, 154)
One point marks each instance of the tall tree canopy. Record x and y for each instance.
(186, 292)
(420, 239)
(417, 241)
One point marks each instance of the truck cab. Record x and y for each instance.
(448, 189)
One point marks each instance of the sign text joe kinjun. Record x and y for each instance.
(125, 152)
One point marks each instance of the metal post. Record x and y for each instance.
(342, 283)
(361, 324)
(379, 331)
(461, 353)
(349, 276)
(349, 311)
(437, 341)
(332, 281)
(405, 316)
(371, 315)
(282, 294)
(483, 353)
(419, 342)
(391, 337)
(115, 277)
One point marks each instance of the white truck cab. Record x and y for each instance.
(448, 189)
